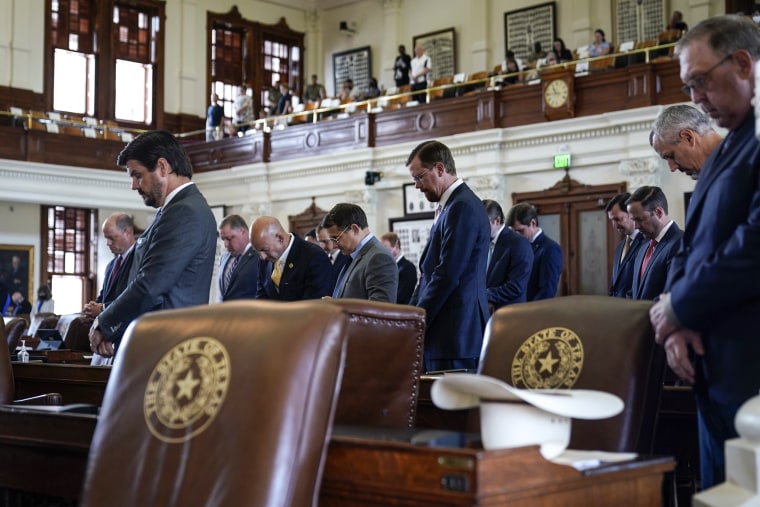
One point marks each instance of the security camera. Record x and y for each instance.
(346, 29)
(371, 177)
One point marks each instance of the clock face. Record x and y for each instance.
(556, 93)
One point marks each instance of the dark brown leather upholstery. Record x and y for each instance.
(584, 342)
(8, 386)
(220, 405)
(383, 364)
(14, 330)
(75, 331)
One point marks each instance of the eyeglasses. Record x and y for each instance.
(337, 238)
(418, 177)
(700, 82)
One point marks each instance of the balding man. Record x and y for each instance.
(296, 269)
(119, 232)
(239, 266)
(684, 137)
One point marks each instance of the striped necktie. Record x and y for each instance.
(231, 265)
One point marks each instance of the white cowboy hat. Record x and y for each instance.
(511, 417)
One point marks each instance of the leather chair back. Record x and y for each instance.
(583, 342)
(7, 386)
(14, 330)
(383, 364)
(74, 328)
(219, 405)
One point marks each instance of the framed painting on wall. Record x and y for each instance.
(17, 269)
(354, 64)
(524, 27)
(441, 48)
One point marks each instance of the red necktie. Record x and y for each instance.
(115, 271)
(647, 256)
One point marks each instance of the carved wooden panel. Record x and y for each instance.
(73, 150)
(229, 152)
(306, 220)
(319, 138)
(12, 143)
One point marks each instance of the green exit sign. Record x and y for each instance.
(562, 161)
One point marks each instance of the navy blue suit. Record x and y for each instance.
(337, 266)
(112, 288)
(547, 268)
(452, 286)
(622, 272)
(305, 275)
(509, 270)
(173, 264)
(714, 287)
(656, 275)
(407, 280)
(244, 281)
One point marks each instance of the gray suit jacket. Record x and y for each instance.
(174, 259)
(372, 275)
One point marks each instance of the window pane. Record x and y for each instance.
(68, 293)
(72, 79)
(134, 91)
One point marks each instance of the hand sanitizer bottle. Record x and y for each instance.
(23, 355)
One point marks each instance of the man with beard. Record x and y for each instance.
(175, 255)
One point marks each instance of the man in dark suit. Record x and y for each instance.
(510, 261)
(452, 286)
(21, 305)
(707, 319)
(175, 255)
(371, 273)
(239, 266)
(407, 272)
(547, 254)
(648, 208)
(119, 232)
(625, 252)
(337, 259)
(296, 269)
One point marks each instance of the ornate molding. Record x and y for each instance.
(641, 172)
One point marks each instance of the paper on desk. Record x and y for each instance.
(582, 460)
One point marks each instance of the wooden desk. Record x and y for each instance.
(77, 383)
(46, 453)
(376, 469)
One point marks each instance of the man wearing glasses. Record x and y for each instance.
(707, 319)
(371, 272)
(296, 269)
(452, 286)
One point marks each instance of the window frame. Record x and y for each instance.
(104, 34)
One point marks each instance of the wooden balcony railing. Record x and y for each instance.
(613, 83)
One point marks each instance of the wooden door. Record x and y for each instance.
(573, 214)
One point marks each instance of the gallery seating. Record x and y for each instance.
(383, 364)
(583, 342)
(219, 405)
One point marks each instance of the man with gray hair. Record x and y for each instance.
(707, 318)
(684, 138)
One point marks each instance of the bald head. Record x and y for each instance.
(119, 231)
(269, 238)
